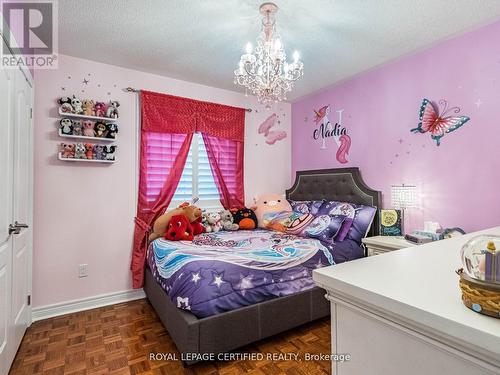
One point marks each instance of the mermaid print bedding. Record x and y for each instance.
(223, 271)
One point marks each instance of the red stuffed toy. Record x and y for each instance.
(179, 229)
(198, 226)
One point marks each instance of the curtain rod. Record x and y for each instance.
(131, 89)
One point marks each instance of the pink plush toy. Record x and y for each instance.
(100, 109)
(269, 203)
(88, 128)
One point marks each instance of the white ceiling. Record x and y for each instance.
(201, 40)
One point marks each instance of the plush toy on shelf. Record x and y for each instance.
(88, 128)
(191, 212)
(99, 152)
(100, 109)
(100, 129)
(245, 218)
(267, 203)
(65, 104)
(109, 151)
(66, 126)
(67, 150)
(77, 127)
(111, 130)
(112, 110)
(77, 105)
(80, 151)
(88, 107)
(227, 220)
(89, 150)
(179, 229)
(213, 221)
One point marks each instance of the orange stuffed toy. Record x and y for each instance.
(192, 213)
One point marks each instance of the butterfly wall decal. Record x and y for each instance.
(320, 114)
(272, 136)
(436, 123)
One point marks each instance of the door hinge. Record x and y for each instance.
(29, 300)
(31, 112)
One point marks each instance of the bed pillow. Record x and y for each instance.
(331, 223)
(358, 219)
(306, 207)
(287, 221)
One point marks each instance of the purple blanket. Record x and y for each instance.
(224, 271)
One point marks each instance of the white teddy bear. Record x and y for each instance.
(227, 220)
(212, 221)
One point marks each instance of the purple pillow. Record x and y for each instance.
(331, 224)
(306, 207)
(358, 220)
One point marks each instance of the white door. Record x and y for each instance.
(16, 184)
(6, 180)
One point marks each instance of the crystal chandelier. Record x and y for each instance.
(264, 70)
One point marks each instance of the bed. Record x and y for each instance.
(213, 300)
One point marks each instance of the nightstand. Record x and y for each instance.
(383, 244)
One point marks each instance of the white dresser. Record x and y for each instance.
(401, 313)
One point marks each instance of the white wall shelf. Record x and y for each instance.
(84, 117)
(85, 137)
(85, 160)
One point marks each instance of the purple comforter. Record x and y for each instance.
(223, 271)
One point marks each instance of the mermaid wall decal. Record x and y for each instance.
(325, 129)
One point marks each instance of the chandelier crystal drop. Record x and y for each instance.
(264, 70)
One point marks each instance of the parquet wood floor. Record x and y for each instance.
(118, 339)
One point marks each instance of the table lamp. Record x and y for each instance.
(404, 197)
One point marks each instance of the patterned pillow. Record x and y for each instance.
(306, 207)
(331, 223)
(357, 222)
(287, 221)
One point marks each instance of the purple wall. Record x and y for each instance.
(459, 180)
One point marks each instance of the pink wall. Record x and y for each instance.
(84, 212)
(459, 180)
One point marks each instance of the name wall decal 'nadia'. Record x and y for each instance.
(325, 129)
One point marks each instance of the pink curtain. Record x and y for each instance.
(167, 127)
(163, 157)
(226, 162)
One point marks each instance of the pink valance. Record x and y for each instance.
(173, 114)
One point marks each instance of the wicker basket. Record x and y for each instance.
(483, 298)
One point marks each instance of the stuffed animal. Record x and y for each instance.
(109, 151)
(227, 220)
(67, 150)
(80, 151)
(100, 129)
(88, 107)
(213, 221)
(65, 104)
(179, 229)
(77, 105)
(198, 227)
(112, 110)
(269, 203)
(192, 213)
(89, 150)
(77, 127)
(66, 126)
(111, 130)
(88, 128)
(245, 218)
(100, 109)
(99, 152)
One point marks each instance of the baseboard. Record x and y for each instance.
(49, 311)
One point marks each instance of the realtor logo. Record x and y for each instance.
(30, 33)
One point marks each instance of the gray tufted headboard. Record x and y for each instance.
(340, 184)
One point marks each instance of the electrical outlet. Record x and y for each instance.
(82, 270)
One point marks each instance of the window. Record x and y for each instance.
(197, 179)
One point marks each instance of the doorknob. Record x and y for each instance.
(16, 227)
